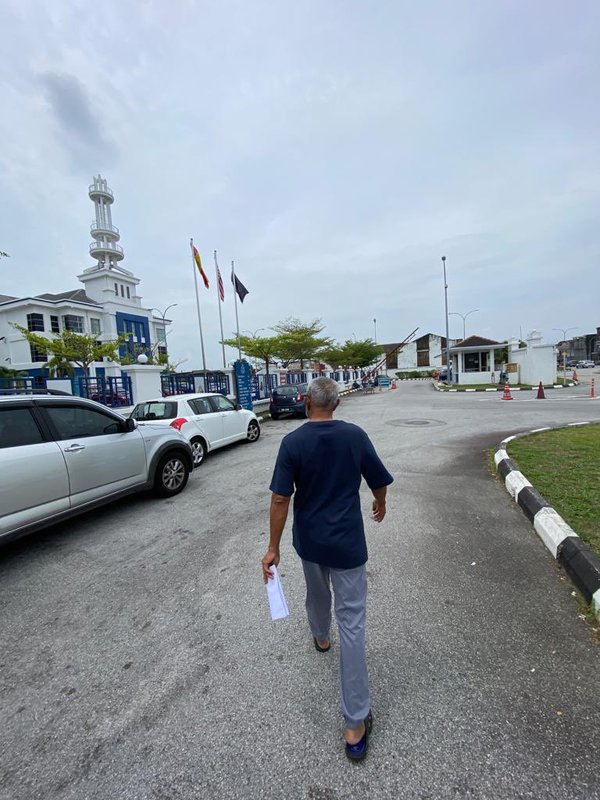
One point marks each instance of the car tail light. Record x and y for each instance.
(178, 423)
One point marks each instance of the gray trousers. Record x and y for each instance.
(350, 590)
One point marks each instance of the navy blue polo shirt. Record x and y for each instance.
(323, 463)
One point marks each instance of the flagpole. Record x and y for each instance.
(219, 283)
(198, 308)
(237, 322)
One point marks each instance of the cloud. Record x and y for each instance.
(82, 132)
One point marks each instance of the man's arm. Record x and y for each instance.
(379, 503)
(277, 519)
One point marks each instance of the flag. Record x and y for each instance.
(239, 286)
(196, 255)
(220, 282)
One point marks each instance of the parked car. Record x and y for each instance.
(288, 399)
(585, 364)
(207, 420)
(61, 456)
(111, 399)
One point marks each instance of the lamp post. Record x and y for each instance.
(375, 326)
(464, 318)
(448, 369)
(163, 315)
(564, 332)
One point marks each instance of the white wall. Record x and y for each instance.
(407, 357)
(537, 361)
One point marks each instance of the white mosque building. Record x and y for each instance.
(106, 306)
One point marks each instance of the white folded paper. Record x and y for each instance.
(277, 603)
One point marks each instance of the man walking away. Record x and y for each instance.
(322, 463)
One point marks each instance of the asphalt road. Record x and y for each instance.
(138, 659)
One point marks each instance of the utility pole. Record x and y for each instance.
(448, 368)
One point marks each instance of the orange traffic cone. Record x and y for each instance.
(540, 394)
(507, 395)
(593, 394)
(393, 384)
(575, 378)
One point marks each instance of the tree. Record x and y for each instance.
(263, 348)
(299, 341)
(69, 348)
(355, 354)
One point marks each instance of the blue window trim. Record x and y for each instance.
(122, 320)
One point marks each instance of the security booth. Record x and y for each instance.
(474, 360)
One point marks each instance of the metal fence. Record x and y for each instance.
(262, 386)
(109, 391)
(191, 383)
(19, 385)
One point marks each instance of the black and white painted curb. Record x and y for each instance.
(582, 565)
(443, 388)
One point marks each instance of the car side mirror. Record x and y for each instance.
(238, 406)
(130, 425)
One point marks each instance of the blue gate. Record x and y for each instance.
(171, 384)
(262, 386)
(217, 382)
(25, 385)
(113, 392)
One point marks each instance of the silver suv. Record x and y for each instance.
(61, 456)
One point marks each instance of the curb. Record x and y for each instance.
(581, 564)
(512, 388)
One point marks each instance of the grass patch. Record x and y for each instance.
(564, 465)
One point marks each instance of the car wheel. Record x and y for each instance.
(253, 431)
(198, 451)
(172, 474)
(274, 416)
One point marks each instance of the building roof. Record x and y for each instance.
(77, 295)
(4, 298)
(477, 341)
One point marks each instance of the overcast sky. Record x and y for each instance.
(336, 149)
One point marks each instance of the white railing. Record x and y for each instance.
(112, 246)
(103, 226)
(98, 187)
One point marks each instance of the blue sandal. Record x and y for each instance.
(356, 752)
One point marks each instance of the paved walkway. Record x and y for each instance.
(138, 660)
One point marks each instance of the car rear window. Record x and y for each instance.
(18, 427)
(150, 411)
(289, 391)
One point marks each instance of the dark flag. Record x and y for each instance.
(239, 286)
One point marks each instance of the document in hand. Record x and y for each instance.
(277, 603)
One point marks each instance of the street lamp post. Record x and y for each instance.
(564, 332)
(464, 318)
(163, 316)
(375, 326)
(448, 368)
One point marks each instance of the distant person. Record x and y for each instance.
(323, 462)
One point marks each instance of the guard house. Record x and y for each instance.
(476, 360)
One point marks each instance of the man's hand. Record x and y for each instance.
(378, 510)
(379, 503)
(271, 557)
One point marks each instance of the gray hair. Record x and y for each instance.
(323, 392)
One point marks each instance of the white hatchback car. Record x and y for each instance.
(207, 421)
